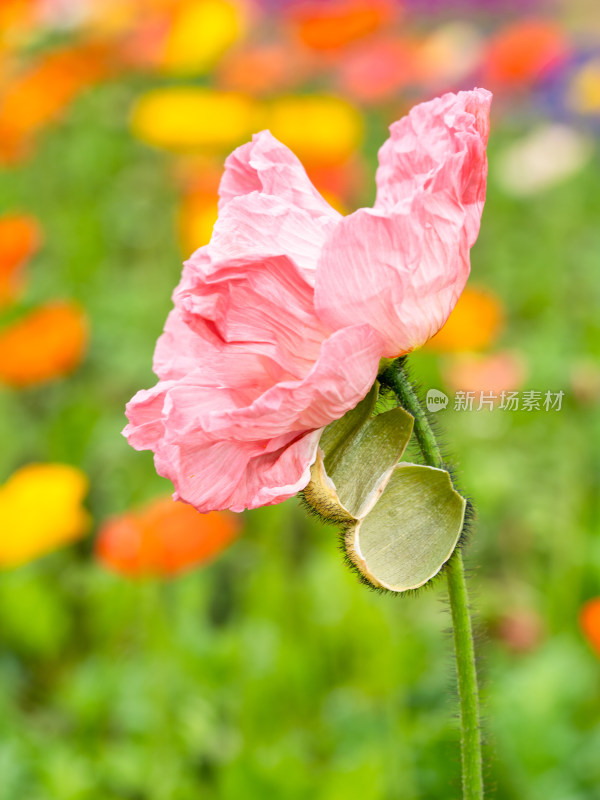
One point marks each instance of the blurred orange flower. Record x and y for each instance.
(41, 92)
(164, 539)
(263, 68)
(473, 325)
(342, 185)
(14, 14)
(197, 216)
(329, 26)
(589, 619)
(199, 177)
(40, 509)
(520, 53)
(47, 343)
(20, 237)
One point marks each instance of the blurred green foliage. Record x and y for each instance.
(273, 673)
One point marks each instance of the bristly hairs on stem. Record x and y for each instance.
(396, 377)
(387, 382)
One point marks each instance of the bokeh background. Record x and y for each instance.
(150, 653)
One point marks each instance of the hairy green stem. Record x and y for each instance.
(472, 776)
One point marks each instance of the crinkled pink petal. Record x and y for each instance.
(181, 352)
(268, 166)
(205, 473)
(216, 474)
(439, 146)
(221, 454)
(341, 376)
(145, 410)
(262, 302)
(401, 266)
(262, 226)
(234, 475)
(188, 410)
(415, 275)
(272, 477)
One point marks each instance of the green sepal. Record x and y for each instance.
(357, 455)
(411, 531)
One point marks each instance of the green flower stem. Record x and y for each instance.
(472, 777)
(396, 379)
(467, 679)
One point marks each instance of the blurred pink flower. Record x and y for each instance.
(378, 68)
(521, 630)
(280, 322)
(496, 373)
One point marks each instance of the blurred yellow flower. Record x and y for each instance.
(584, 94)
(189, 118)
(40, 508)
(199, 34)
(319, 129)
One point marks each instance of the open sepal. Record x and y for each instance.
(356, 458)
(411, 531)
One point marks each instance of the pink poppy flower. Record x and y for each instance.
(280, 321)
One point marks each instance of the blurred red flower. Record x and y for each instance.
(589, 619)
(19, 239)
(332, 25)
(164, 538)
(47, 343)
(522, 52)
